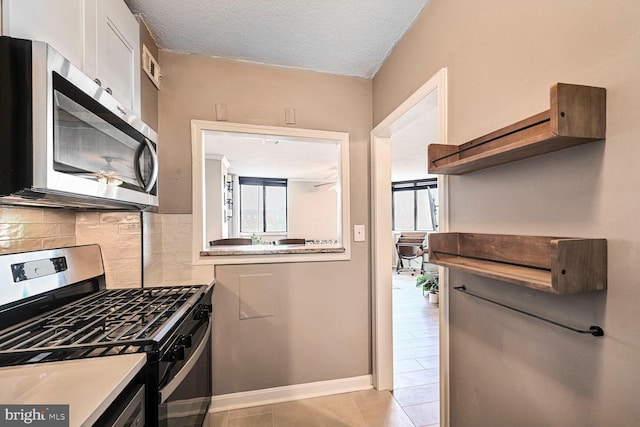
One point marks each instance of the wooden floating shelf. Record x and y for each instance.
(577, 116)
(558, 265)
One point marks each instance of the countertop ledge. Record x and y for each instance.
(88, 386)
(271, 250)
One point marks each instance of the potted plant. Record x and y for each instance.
(429, 283)
(257, 240)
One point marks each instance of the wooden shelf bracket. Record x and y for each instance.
(577, 115)
(558, 265)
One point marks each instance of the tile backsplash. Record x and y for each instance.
(165, 240)
(167, 251)
(30, 229)
(117, 233)
(152, 248)
(119, 237)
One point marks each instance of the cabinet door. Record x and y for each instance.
(57, 22)
(113, 56)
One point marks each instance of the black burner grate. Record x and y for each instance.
(104, 320)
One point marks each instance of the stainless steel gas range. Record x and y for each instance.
(54, 307)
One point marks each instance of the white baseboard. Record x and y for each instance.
(268, 396)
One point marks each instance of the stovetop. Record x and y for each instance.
(116, 321)
(106, 317)
(54, 305)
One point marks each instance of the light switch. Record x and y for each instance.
(358, 233)
(221, 112)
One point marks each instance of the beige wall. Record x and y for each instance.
(502, 57)
(254, 94)
(148, 91)
(320, 330)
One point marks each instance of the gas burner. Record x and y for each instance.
(106, 317)
(158, 307)
(57, 338)
(62, 325)
(125, 331)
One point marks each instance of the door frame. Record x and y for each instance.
(382, 320)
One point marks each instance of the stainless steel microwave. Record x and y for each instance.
(64, 140)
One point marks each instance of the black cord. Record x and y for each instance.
(596, 331)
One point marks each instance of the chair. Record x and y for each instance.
(412, 237)
(231, 241)
(409, 247)
(289, 242)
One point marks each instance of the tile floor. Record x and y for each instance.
(368, 408)
(415, 351)
(414, 402)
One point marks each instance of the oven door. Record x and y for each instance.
(185, 399)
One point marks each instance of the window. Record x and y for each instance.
(263, 205)
(236, 145)
(415, 205)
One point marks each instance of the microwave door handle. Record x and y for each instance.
(154, 161)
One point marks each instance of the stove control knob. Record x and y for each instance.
(203, 312)
(185, 340)
(177, 352)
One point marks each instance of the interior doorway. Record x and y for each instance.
(382, 239)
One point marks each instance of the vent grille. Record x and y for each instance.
(150, 66)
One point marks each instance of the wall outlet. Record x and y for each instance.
(358, 233)
(290, 116)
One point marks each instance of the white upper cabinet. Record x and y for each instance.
(57, 22)
(112, 49)
(101, 37)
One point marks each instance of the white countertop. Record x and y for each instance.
(88, 386)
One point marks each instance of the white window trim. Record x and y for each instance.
(199, 240)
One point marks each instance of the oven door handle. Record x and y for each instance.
(168, 389)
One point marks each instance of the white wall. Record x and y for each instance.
(214, 173)
(313, 211)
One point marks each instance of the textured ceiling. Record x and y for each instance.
(349, 37)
